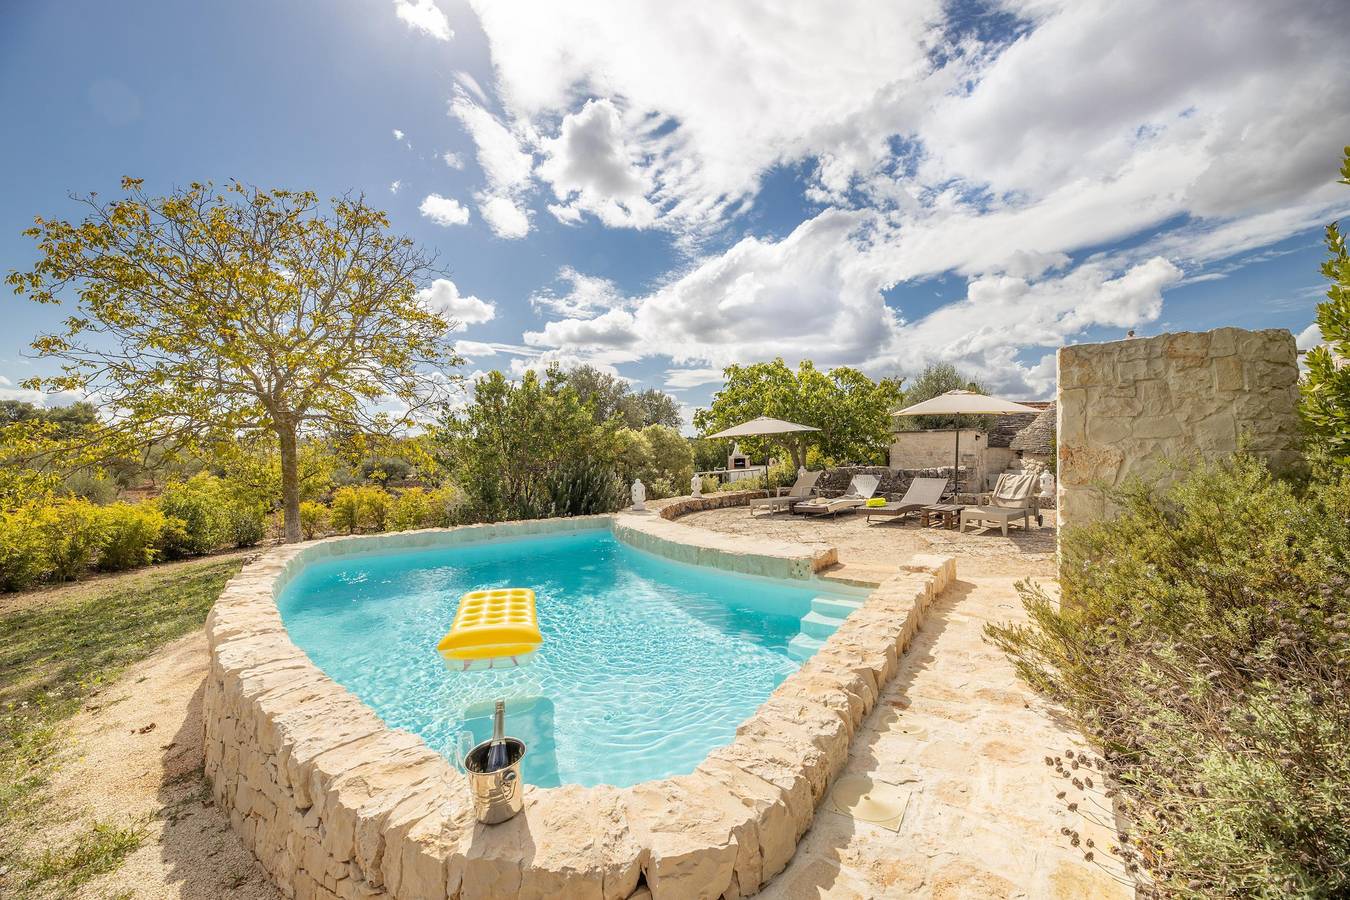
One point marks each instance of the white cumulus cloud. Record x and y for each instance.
(443, 296)
(442, 210)
(507, 218)
(425, 16)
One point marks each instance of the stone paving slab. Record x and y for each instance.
(963, 741)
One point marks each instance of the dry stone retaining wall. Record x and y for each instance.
(1126, 407)
(337, 805)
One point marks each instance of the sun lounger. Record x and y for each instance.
(802, 489)
(1013, 498)
(860, 489)
(920, 493)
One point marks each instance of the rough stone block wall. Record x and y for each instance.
(1127, 407)
(894, 482)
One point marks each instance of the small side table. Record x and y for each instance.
(947, 515)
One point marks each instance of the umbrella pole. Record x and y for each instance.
(956, 461)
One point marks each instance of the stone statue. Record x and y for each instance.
(639, 496)
(696, 486)
(1047, 484)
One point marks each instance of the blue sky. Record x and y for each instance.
(666, 190)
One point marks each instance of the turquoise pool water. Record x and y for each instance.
(646, 665)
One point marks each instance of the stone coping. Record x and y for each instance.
(336, 804)
(657, 533)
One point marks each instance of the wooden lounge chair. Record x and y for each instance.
(802, 489)
(860, 489)
(920, 493)
(1013, 498)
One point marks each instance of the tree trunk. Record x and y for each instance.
(290, 480)
(797, 449)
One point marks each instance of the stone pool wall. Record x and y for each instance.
(657, 533)
(337, 805)
(1128, 407)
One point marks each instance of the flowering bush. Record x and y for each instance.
(131, 535)
(360, 508)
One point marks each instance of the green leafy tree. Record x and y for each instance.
(610, 397)
(851, 410)
(520, 449)
(1326, 389)
(200, 316)
(599, 390)
(934, 381)
(650, 407)
(660, 456)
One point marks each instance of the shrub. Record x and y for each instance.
(360, 508)
(448, 503)
(245, 524)
(24, 560)
(1201, 642)
(582, 489)
(413, 508)
(132, 535)
(73, 535)
(198, 514)
(754, 483)
(314, 519)
(383, 469)
(95, 488)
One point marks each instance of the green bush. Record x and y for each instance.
(73, 536)
(409, 509)
(582, 489)
(245, 524)
(24, 560)
(132, 535)
(1202, 642)
(360, 508)
(448, 503)
(198, 518)
(755, 483)
(314, 519)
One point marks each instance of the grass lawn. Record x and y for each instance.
(53, 656)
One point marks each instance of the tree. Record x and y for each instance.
(599, 390)
(934, 381)
(650, 407)
(609, 397)
(519, 450)
(1326, 389)
(658, 455)
(202, 316)
(851, 411)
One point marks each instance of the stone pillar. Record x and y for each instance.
(1128, 407)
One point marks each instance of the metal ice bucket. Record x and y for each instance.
(499, 795)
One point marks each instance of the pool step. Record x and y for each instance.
(817, 626)
(803, 646)
(835, 607)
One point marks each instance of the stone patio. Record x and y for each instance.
(955, 748)
(1021, 554)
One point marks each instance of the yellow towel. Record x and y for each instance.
(874, 502)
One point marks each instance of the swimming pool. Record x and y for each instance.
(647, 664)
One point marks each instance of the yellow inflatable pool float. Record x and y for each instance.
(498, 627)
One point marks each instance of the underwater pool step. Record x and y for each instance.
(817, 626)
(835, 607)
(803, 646)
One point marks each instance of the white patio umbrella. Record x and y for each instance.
(762, 427)
(964, 403)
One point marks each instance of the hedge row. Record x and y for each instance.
(64, 539)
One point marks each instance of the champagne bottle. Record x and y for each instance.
(497, 757)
